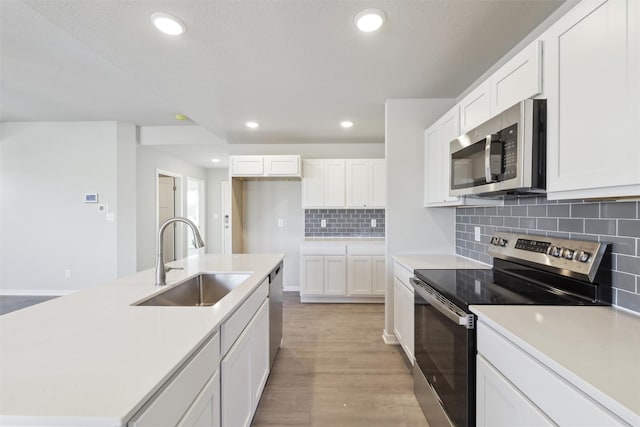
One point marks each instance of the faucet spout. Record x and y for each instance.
(161, 269)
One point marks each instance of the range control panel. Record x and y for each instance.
(573, 256)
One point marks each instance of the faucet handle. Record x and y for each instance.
(168, 269)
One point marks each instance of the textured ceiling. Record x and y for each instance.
(296, 66)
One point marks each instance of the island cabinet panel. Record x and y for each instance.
(592, 78)
(236, 390)
(379, 275)
(500, 403)
(403, 310)
(183, 391)
(259, 328)
(205, 411)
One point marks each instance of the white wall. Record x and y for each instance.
(126, 199)
(148, 161)
(266, 201)
(45, 226)
(410, 227)
(214, 209)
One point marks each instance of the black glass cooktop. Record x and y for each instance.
(473, 286)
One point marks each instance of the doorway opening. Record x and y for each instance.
(195, 211)
(168, 205)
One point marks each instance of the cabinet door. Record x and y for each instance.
(359, 273)
(313, 183)
(406, 322)
(593, 96)
(475, 108)
(334, 183)
(259, 330)
(433, 173)
(236, 390)
(379, 275)
(398, 327)
(499, 403)
(518, 79)
(335, 275)
(378, 184)
(312, 272)
(449, 129)
(247, 165)
(205, 411)
(282, 165)
(358, 176)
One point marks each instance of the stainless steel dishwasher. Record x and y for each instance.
(275, 312)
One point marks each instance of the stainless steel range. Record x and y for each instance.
(527, 269)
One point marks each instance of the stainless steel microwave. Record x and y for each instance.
(505, 155)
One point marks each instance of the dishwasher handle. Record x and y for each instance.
(444, 306)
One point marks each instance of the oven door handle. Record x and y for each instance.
(461, 319)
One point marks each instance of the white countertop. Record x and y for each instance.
(91, 358)
(435, 262)
(343, 240)
(595, 348)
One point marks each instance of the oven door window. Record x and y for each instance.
(445, 354)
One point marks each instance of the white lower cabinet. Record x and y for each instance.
(327, 275)
(522, 389)
(190, 397)
(244, 370)
(499, 403)
(403, 317)
(360, 275)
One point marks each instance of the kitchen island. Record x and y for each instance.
(94, 359)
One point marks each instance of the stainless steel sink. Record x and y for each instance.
(199, 291)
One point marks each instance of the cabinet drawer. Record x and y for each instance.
(566, 405)
(403, 274)
(233, 327)
(365, 249)
(323, 249)
(169, 405)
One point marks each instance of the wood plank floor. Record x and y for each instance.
(335, 370)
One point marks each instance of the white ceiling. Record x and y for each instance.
(296, 66)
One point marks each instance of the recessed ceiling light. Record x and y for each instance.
(252, 125)
(168, 24)
(215, 160)
(370, 20)
(346, 124)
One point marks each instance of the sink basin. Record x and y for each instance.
(199, 291)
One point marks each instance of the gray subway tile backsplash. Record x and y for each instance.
(344, 222)
(617, 223)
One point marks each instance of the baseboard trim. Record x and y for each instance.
(37, 292)
(389, 338)
(345, 299)
(291, 288)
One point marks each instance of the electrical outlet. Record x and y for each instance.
(477, 233)
(280, 222)
(67, 273)
(373, 223)
(323, 223)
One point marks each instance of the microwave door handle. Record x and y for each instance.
(487, 159)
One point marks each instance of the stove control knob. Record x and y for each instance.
(583, 256)
(554, 251)
(494, 241)
(502, 242)
(568, 253)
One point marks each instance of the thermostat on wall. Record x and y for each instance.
(91, 197)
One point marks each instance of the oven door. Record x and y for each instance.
(445, 356)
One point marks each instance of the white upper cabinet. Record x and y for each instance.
(366, 183)
(265, 166)
(437, 161)
(518, 79)
(323, 183)
(475, 108)
(592, 74)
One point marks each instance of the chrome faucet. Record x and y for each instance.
(161, 269)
